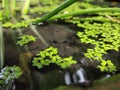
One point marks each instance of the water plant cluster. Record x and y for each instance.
(98, 27)
(50, 56)
(103, 34)
(25, 39)
(8, 75)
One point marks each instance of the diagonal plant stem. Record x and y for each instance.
(85, 11)
(56, 10)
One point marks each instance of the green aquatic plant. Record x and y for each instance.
(8, 75)
(84, 11)
(12, 7)
(56, 10)
(88, 1)
(102, 34)
(1, 16)
(85, 23)
(50, 2)
(49, 56)
(107, 65)
(1, 43)
(25, 39)
(25, 7)
(6, 11)
(26, 23)
(20, 24)
(1, 47)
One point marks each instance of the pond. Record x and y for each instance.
(69, 51)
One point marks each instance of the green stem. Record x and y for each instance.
(19, 33)
(25, 7)
(86, 11)
(56, 10)
(1, 47)
(6, 10)
(13, 6)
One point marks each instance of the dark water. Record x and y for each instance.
(61, 80)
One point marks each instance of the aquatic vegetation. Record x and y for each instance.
(107, 65)
(98, 27)
(50, 2)
(8, 75)
(49, 56)
(36, 20)
(103, 34)
(13, 7)
(6, 11)
(25, 7)
(20, 24)
(56, 10)
(100, 31)
(1, 47)
(94, 33)
(1, 43)
(25, 39)
(0, 15)
(84, 11)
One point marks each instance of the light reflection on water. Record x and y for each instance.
(78, 77)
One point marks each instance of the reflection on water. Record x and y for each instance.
(78, 77)
(67, 78)
(81, 74)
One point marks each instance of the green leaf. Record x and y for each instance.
(25, 39)
(48, 56)
(104, 63)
